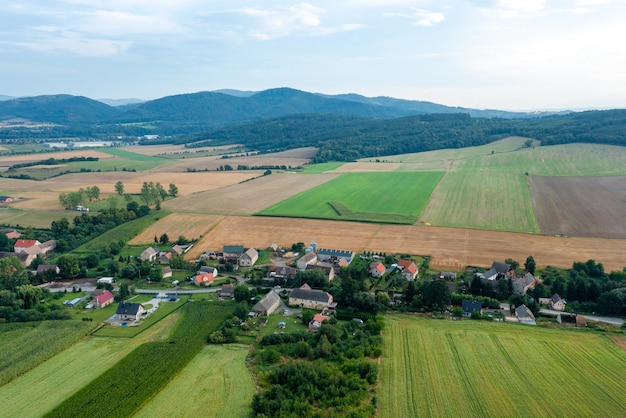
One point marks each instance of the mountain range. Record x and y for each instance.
(195, 112)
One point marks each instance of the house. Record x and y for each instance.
(165, 257)
(203, 279)
(249, 257)
(377, 269)
(325, 268)
(283, 272)
(556, 303)
(46, 246)
(149, 254)
(102, 299)
(470, 306)
(305, 297)
(177, 249)
(232, 252)
(11, 233)
(409, 269)
(25, 258)
(227, 291)
(267, 305)
(497, 271)
(208, 269)
(166, 272)
(308, 259)
(127, 311)
(21, 245)
(42, 268)
(522, 284)
(544, 301)
(525, 315)
(316, 322)
(334, 256)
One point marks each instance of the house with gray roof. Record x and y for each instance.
(249, 257)
(267, 305)
(127, 311)
(305, 297)
(470, 306)
(525, 315)
(522, 284)
(325, 254)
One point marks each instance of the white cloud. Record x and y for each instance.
(86, 47)
(420, 17)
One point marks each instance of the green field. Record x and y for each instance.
(25, 345)
(322, 167)
(67, 372)
(471, 368)
(368, 197)
(34, 218)
(216, 383)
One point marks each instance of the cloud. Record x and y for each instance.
(420, 17)
(86, 47)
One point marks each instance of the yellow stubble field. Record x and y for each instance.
(189, 225)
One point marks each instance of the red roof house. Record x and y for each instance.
(103, 299)
(22, 244)
(409, 269)
(377, 269)
(203, 279)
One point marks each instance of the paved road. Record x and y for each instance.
(605, 319)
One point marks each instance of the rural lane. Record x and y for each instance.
(607, 320)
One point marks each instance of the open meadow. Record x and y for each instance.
(450, 248)
(471, 368)
(372, 197)
(216, 383)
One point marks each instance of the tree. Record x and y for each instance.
(12, 274)
(113, 267)
(436, 295)
(241, 293)
(119, 188)
(164, 239)
(93, 193)
(173, 190)
(530, 265)
(156, 274)
(514, 264)
(30, 294)
(307, 316)
(68, 265)
(124, 291)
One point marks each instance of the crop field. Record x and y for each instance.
(292, 158)
(466, 368)
(34, 218)
(366, 167)
(480, 199)
(216, 383)
(25, 345)
(248, 197)
(450, 248)
(189, 225)
(374, 197)
(9, 160)
(581, 206)
(67, 372)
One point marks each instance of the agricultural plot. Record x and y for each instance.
(580, 206)
(248, 197)
(25, 345)
(67, 372)
(216, 383)
(370, 197)
(34, 218)
(177, 151)
(466, 368)
(188, 225)
(450, 248)
(9, 160)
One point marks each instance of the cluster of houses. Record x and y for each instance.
(406, 269)
(26, 250)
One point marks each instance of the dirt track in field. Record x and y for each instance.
(451, 248)
(580, 206)
(249, 197)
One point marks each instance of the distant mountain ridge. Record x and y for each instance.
(195, 112)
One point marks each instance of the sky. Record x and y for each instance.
(498, 54)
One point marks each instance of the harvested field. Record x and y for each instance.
(580, 206)
(291, 158)
(9, 160)
(189, 225)
(249, 197)
(451, 248)
(37, 200)
(34, 218)
(171, 149)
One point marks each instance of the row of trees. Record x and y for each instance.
(72, 199)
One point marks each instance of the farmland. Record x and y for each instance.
(189, 225)
(216, 383)
(450, 248)
(373, 197)
(446, 368)
(580, 206)
(68, 372)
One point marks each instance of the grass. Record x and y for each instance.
(124, 232)
(471, 368)
(25, 345)
(133, 155)
(375, 197)
(322, 167)
(67, 372)
(34, 218)
(216, 383)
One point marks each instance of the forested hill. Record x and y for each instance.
(343, 138)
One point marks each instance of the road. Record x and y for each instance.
(608, 320)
